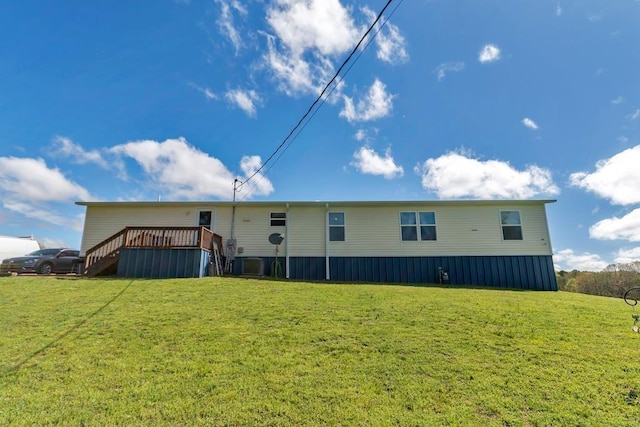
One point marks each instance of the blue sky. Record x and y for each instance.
(174, 99)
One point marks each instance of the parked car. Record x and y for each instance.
(43, 261)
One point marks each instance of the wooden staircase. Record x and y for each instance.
(102, 259)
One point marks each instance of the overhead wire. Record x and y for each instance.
(322, 102)
(321, 98)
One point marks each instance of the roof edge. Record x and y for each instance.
(320, 202)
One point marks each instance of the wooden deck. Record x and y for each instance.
(102, 258)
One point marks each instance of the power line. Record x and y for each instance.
(290, 142)
(319, 97)
(252, 185)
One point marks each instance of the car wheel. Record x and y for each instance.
(46, 268)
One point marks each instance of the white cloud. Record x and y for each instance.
(375, 105)
(625, 228)
(634, 115)
(558, 10)
(626, 256)
(391, 44)
(259, 184)
(360, 135)
(445, 67)
(595, 17)
(529, 123)
(455, 175)
(183, 171)
(322, 25)
(66, 147)
(244, 99)
(32, 180)
(367, 161)
(489, 53)
(29, 187)
(616, 178)
(63, 146)
(307, 35)
(208, 93)
(366, 135)
(52, 243)
(226, 24)
(569, 260)
(45, 214)
(617, 100)
(622, 139)
(297, 76)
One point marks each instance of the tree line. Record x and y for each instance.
(613, 281)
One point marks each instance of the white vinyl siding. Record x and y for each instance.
(252, 230)
(307, 231)
(472, 228)
(461, 230)
(101, 222)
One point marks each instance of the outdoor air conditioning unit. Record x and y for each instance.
(253, 266)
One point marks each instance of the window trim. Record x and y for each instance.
(281, 221)
(434, 225)
(409, 225)
(212, 219)
(502, 225)
(343, 226)
(417, 226)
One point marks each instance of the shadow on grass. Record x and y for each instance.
(75, 327)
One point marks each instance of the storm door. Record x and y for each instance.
(206, 218)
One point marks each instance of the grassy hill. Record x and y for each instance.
(228, 351)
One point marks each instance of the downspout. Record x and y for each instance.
(326, 241)
(286, 244)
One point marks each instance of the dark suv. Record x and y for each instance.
(43, 261)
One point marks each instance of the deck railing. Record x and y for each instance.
(152, 237)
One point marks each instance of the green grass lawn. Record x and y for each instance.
(228, 351)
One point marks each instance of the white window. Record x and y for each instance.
(416, 226)
(336, 227)
(278, 219)
(511, 225)
(427, 225)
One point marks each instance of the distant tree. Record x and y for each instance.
(631, 266)
(612, 282)
(567, 280)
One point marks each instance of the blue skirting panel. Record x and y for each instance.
(163, 263)
(523, 272)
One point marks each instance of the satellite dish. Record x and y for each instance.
(276, 268)
(276, 238)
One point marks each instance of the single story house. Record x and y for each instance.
(500, 243)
